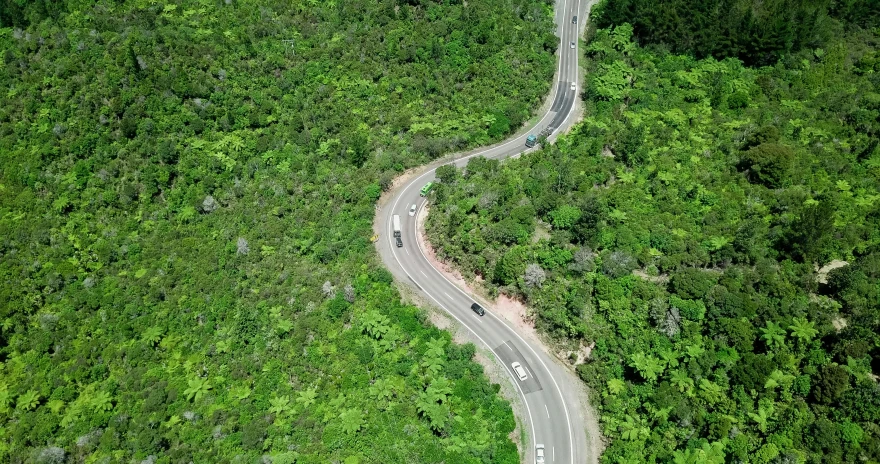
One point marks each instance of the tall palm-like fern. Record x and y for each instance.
(5, 397)
(101, 402)
(648, 366)
(279, 405)
(306, 398)
(351, 420)
(773, 334)
(682, 381)
(28, 400)
(803, 330)
(198, 387)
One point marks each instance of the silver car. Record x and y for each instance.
(539, 454)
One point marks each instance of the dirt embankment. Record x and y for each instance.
(517, 314)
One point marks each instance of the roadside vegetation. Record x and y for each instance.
(186, 198)
(684, 230)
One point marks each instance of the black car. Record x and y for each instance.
(574, 19)
(399, 242)
(478, 309)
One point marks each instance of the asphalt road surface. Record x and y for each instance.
(552, 416)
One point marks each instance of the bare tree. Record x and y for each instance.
(583, 261)
(51, 455)
(666, 318)
(209, 204)
(618, 264)
(242, 245)
(327, 289)
(534, 276)
(349, 293)
(488, 199)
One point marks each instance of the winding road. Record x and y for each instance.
(551, 405)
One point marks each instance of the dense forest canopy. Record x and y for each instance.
(714, 231)
(756, 31)
(186, 198)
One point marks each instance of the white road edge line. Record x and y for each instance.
(522, 394)
(543, 364)
(431, 171)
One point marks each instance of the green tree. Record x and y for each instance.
(447, 174)
(831, 383)
(810, 236)
(565, 216)
(692, 283)
(769, 164)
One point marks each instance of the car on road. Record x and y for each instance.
(539, 454)
(399, 242)
(572, 45)
(520, 372)
(574, 86)
(412, 210)
(478, 309)
(574, 19)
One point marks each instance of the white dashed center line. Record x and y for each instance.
(548, 411)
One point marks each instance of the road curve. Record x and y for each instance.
(552, 413)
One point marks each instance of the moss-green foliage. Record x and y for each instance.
(186, 198)
(725, 345)
(756, 31)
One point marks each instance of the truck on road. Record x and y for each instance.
(531, 141)
(397, 235)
